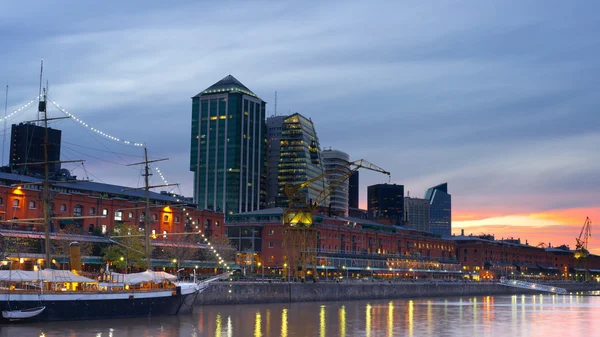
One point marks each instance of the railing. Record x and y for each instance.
(532, 286)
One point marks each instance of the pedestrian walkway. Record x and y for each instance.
(532, 286)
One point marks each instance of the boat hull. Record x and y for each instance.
(72, 306)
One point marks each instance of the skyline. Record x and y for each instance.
(497, 100)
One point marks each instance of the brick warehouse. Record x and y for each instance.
(116, 204)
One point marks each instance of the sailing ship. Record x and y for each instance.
(57, 295)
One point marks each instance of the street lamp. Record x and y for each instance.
(286, 271)
(263, 269)
(369, 268)
(344, 267)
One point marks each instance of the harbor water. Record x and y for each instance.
(517, 315)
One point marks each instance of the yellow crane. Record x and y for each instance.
(581, 248)
(300, 237)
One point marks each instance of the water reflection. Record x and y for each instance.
(342, 314)
(519, 316)
(257, 324)
(284, 322)
(368, 320)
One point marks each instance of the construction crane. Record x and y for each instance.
(581, 248)
(300, 238)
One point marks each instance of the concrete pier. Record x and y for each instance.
(247, 293)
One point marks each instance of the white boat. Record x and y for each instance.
(15, 315)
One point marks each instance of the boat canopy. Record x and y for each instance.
(48, 275)
(147, 276)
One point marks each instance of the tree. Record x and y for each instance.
(224, 247)
(129, 247)
(61, 246)
(180, 247)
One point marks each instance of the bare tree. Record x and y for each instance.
(224, 247)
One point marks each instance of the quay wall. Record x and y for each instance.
(253, 293)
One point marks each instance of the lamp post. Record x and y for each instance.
(369, 268)
(392, 273)
(344, 267)
(263, 269)
(286, 271)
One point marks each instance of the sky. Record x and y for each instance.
(499, 99)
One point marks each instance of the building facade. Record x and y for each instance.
(300, 159)
(228, 148)
(335, 163)
(345, 246)
(274, 125)
(416, 214)
(440, 210)
(386, 201)
(27, 146)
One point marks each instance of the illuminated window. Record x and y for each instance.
(118, 215)
(165, 218)
(103, 229)
(31, 204)
(130, 215)
(213, 118)
(105, 212)
(63, 208)
(216, 224)
(271, 231)
(164, 234)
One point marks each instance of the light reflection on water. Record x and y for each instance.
(545, 315)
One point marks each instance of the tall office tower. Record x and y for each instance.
(353, 189)
(416, 213)
(228, 148)
(386, 201)
(440, 210)
(335, 163)
(274, 125)
(300, 158)
(27, 146)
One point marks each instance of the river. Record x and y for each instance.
(522, 315)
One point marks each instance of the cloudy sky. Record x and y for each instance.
(497, 99)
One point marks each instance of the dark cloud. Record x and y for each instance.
(497, 99)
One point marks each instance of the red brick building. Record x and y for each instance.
(485, 257)
(358, 245)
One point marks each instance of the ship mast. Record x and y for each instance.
(147, 188)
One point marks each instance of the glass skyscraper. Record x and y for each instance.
(335, 163)
(299, 158)
(386, 201)
(440, 210)
(228, 148)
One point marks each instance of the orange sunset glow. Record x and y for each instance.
(554, 227)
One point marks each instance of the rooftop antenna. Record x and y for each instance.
(275, 103)
(4, 136)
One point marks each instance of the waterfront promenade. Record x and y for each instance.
(281, 292)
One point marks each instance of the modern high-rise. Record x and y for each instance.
(386, 201)
(416, 213)
(27, 146)
(274, 125)
(440, 210)
(299, 159)
(353, 189)
(228, 148)
(335, 163)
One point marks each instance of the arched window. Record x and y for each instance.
(154, 217)
(16, 202)
(91, 228)
(92, 211)
(31, 204)
(63, 208)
